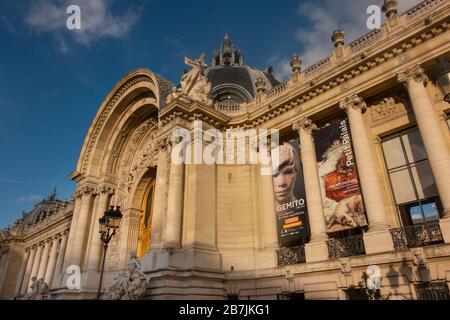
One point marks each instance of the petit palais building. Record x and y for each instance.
(361, 185)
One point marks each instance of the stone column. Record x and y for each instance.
(160, 196)
(76, 256)
(174, 206)
(36, 263)
(26, 278)
(95, 248)
(433, 138)
(72, 231)
(61, 254)
(317, 249)
(378, 239)
(44, 261)
(51, 262)
(129, 235)
(23, 269)
(269, 217)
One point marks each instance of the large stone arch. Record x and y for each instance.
(139, 85)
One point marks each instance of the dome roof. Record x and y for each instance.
(231, 80)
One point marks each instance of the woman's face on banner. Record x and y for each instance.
(285, 177)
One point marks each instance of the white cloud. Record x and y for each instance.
(324, 17)
(97, 21)
(29, 198)
(281, 66)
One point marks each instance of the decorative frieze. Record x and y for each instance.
(388, 108)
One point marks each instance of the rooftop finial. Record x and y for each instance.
(227, 42)
(53, 195)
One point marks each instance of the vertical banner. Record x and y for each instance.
(339, 183)
(289, 193)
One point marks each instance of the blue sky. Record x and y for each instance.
(52, 80)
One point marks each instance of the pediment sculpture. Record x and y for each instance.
(130, 284)
(194, 84)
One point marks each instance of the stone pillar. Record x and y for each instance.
(269, 217)
(51, 262)
(44, 261)
(26, 278)
(160, 196)
(36, 263)
(23, 269)
(95, 247)
(378, 239)
(61, 254)
(174, 206)
(317, 249)
(433, 138)
(76, 256)
(129, 235)
(72, 231)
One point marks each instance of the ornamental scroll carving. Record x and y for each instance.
(389, 107)
(136, 158)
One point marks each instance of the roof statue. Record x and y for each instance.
(194, 84)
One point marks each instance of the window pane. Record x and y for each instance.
(423, 179)
(416, 214)
(393, 153)
(430, 211)
(414, 148)
(402, 186)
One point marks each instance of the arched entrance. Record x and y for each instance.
(145, 224)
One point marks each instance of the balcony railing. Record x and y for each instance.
(419, 235)
(346, 247)
(433, 291)
(291, 256)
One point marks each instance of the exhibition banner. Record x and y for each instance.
(289, 193)
(339, 183)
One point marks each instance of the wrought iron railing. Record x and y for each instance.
(433, 291)
(291, 256)
(419, 235)
(346, 247)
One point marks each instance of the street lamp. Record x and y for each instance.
(109, 223)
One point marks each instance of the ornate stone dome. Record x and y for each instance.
(231, 80)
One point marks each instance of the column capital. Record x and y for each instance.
(415, 73)
(105, 190)
(84, 191)
(354, 101)
(305, 124)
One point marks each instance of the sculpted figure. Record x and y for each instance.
(193, 84)
(129, 285)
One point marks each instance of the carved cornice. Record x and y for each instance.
(305, 124)
(368, 63)
(415, 73)
(354, 101)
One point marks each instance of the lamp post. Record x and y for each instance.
(109, 223)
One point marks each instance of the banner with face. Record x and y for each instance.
(289, 193)
(339, 183)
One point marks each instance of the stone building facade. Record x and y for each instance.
(209, 231)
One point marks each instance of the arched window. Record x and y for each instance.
(145, 225)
